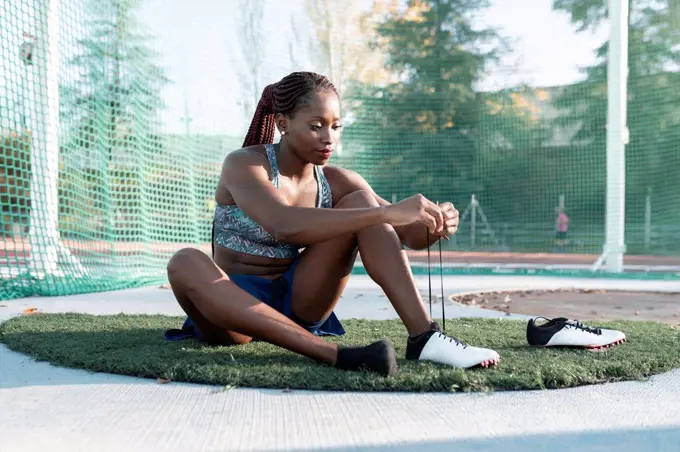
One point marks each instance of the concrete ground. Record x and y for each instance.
(42, 406)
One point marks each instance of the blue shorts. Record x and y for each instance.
(275, 293)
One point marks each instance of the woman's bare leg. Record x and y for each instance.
(324, 269)
(226, 314)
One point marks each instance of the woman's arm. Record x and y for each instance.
(344, 181)
(245, 177)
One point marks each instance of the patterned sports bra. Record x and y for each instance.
(233, 229)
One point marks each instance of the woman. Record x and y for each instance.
(274, 200)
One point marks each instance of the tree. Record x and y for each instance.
(418, 134)
(251, 41)
(113, 105)
(110, 110)
(653, 99)
(337, 35)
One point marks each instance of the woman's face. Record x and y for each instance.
(314, 130)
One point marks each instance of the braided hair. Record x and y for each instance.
(286, 97)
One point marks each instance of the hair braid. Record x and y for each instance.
(285, 97)
(262, 126)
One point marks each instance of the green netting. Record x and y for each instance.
(97, 189)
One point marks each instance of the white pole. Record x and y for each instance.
(648, 219)
(473, 221)
(44, 212)
(44, 145)
(617, 137)
(561, 204)
(191, 173)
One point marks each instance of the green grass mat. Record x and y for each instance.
(134, 345)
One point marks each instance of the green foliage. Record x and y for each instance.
(110, 109)
(434, 133)
(110, 113)
(585, 14)
(653, 110)
(428, 119)
(14, 183)
(518, 150)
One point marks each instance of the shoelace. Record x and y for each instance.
(580, 326)
(574, 324)
(441, 278)
(457, 341)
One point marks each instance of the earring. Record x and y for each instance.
(283, 132)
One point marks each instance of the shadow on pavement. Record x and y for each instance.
(665, 439)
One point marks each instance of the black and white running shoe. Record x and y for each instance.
(563, 332)
(438, 347)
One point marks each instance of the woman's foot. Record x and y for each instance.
(438, 347)
(379, 357)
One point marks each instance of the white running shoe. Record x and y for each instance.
(438, 347)
(563, 332)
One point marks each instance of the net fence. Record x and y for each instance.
(116, 115)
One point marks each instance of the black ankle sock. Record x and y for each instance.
(415, 344)
(378, 357)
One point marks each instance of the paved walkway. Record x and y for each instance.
(43, 407)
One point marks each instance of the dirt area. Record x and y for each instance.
(581, 304)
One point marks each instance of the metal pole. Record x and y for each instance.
(46, 249)
(648, 219)
(191, 174)
(44, 146)
(617, 138)
(473, 221)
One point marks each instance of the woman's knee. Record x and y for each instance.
(184, 263)
(358, 198)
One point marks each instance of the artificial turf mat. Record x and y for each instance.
(134, 345)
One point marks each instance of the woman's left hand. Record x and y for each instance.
(451, 218)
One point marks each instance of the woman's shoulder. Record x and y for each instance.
(248, 156)
(242, 167)
(337, 172)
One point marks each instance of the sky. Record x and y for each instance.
(198, 46)
(198, 42)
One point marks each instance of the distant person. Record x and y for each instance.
(272, 200)
(561, 227)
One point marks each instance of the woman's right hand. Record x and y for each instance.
(416, 209)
